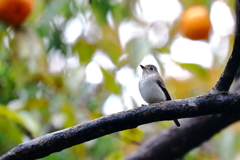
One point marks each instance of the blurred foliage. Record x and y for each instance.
(42, 93)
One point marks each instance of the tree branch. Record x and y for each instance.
(233, 64)
(190, 107)
(171, 144)
(174, 142)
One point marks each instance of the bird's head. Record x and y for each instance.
(149, 69)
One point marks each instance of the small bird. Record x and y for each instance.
(152, 87)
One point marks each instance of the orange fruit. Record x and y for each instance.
(15, 12)
(195, 23)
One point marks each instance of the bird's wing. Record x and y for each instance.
(162, 86)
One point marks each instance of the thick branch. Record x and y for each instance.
(233, 64)
(171, 144)
(175, 143)
(190, 107)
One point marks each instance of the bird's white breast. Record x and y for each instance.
(150, 91)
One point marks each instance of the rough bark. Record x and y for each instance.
(174, 142)
(185, 108)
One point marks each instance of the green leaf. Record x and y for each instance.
(195, 69)
(6, 112)
(98, 150)
(62, 7)
(56, 40)
(100, 9)
(110, 44)
(10, 134)
(109, 82)
(119, 12)
(68, 111)
(116, 154)
(131, 135)
(164, 49)
(84, 50)
(137, 49)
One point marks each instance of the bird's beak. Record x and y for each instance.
(142, 67)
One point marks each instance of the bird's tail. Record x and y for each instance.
(177, 122)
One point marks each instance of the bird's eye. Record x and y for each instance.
(151, 68)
